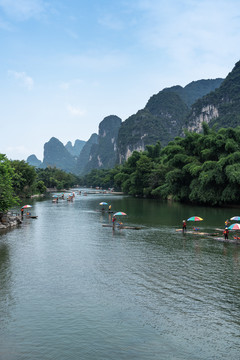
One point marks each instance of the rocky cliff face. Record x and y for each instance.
(33, 161)
(104, 153)
(84, 156)
(220, 107)
(162, 118)
(75, 149)
(195, 90)
(55, 154)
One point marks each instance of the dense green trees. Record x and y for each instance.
(53, 177)
(23, 180)
(7, 198)
(18, 179)
(198, 168)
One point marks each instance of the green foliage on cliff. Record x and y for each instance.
(226, 99)
(7, 197)
(162, 118)
(199, 168)
(195, 90)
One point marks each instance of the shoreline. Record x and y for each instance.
(8, 221)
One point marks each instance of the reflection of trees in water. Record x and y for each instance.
(5, 275)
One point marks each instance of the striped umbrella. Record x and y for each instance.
(195, 218)
(235, 226)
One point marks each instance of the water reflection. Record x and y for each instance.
(5, 284)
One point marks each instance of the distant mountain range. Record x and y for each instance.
(165, 116)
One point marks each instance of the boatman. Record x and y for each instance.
(225, 233)
(184, 226)
(113, 221)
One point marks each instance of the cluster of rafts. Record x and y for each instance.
(216, 235)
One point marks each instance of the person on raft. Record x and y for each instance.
(184, 226)
(227, 223)
(114, 221)
(225, 233)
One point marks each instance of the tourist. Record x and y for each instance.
(227, 223)
(113, 221)
(226, 232)
(184, 226)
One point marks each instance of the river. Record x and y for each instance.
(73, 289)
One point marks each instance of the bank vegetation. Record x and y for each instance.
(197, 168)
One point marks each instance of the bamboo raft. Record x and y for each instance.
(213, 236)
(193, 232)
(123, 226)
(227, 241)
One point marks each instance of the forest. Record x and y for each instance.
(197, 168)
(20, 180)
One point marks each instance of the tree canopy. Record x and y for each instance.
(7, 198)
(18, 179)
(198, 168)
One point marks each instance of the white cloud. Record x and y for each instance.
(190, 33)
(23, 78)
(75, 111)
(22, 9)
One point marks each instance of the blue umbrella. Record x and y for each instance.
(237, 218)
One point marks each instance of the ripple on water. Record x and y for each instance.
(72, 289)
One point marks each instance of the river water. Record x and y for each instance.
(73, 289)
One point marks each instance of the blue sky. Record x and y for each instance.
(67, 64)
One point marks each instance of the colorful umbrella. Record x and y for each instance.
(26, 206)
(119, 213)
(237, 218)
(103, 203)
(234, 226)
(195, 218)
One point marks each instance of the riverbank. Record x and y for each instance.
(9, 220)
